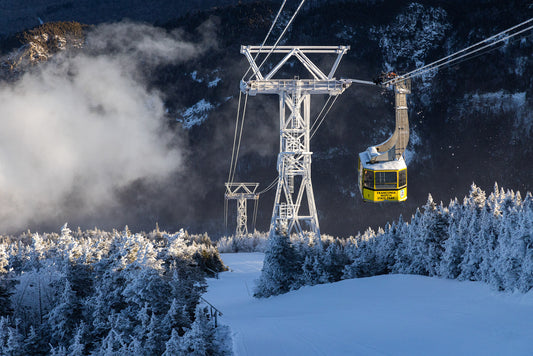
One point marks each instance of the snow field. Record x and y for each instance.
(383, 315)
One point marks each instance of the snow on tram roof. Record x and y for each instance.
(387, 165)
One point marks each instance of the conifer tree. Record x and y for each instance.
(435, 222)
(408, 259)
(525, 233)
(173, 345)
(511, 251)
(198, 340)
(77, 347)
(14, 343)
(280, 268)
(309, 275)
(5, 296)
(154, 342)
(64, 317)
(175, 318)
(388, 243)
(33, 345)
(58, 351)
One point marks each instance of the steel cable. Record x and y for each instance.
(280, 37)
(450, 59)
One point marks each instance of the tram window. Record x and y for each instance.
(386, 180)
(402, 178)
(368, 179)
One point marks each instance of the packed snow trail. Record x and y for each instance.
(383, 315)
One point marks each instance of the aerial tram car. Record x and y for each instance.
(382, 169)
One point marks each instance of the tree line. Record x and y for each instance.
(488, 239)
(107, 293)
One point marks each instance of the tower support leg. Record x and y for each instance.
(242, 219)
(294, 206)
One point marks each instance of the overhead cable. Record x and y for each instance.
(327, 112)
(451, 61)
(320, 113)
(235, 138)
(280, 36)
(266, 37)
(270, 186)
(240, 138)
(471, 50)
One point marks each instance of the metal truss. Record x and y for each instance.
(294, 206)
(241, 192)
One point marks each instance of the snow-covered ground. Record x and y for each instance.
(384, 315)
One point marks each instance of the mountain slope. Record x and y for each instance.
(385, 315)
(469, 123)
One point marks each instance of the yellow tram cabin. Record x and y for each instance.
(382, 181)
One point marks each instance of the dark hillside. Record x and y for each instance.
(470, 122)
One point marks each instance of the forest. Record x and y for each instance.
(120, 293)
(108, 293)
(488, 239)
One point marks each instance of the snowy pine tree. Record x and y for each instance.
(455, 245)
(199, 339)
(192, 342)
(77, 347)
(281, 267)
(33, 344)
(525, 233)
(15, 344)
(434, 230)
(64, 317)
(173, 345)
(154, 337)
(175, 318)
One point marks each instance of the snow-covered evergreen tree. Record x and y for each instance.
(154, 337)
(5, 295)
(173, 345)
(281, 268)
(33, 345)
(455, 245)
(200, 338)
(15, 342)
(525, 234)
(77, 347)
(409, 256)
(175, 318)
(309, 274)
(64, 317)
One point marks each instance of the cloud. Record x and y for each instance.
(78, 129)
(147, 45)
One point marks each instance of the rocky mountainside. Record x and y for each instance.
(469, 123)
(21, 15)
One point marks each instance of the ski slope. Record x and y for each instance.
(383, 315)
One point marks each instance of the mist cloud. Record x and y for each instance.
(83, 126)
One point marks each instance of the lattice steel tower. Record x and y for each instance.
(242, 192)
(294, 159)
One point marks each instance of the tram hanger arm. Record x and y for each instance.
(377, 82)
(359, 81)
